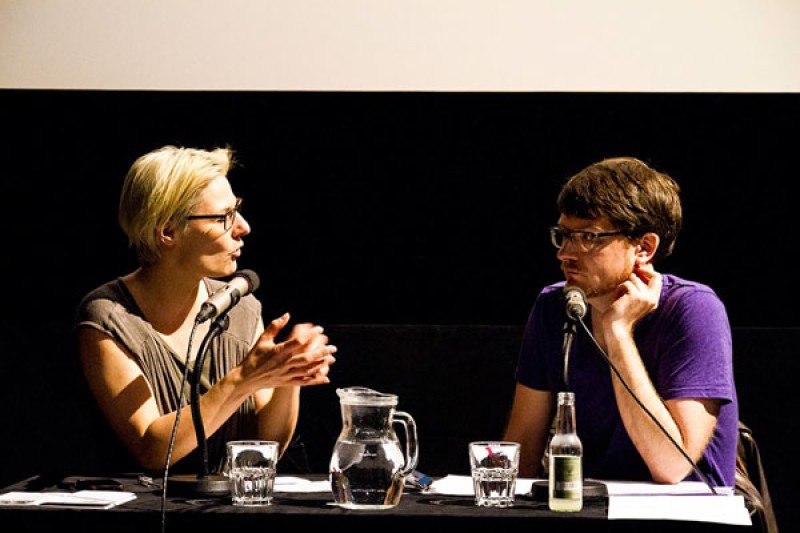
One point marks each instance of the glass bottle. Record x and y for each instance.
(565, 484)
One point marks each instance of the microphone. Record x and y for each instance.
(575, 300)
(241, 284)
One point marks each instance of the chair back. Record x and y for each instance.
(751, 482)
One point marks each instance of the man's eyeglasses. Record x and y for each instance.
(227, 219)
(582, 240)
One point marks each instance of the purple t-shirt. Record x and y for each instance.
(686, 347)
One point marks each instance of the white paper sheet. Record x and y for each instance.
(300, 485)
(453, 485)
(98, 499)
(720, 509)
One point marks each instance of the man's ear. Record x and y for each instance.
(646, 249)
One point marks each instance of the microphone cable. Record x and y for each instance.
(646, 410)
(175, 428)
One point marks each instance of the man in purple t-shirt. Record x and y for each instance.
(667, 340)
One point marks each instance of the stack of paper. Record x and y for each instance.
(95, 499)
(688, 500)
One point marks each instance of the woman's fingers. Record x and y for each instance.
(275, 327)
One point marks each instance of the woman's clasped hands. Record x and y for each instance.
(304, 358)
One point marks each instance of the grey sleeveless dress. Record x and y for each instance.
(112, 310)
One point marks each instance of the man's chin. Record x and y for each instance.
(596, 292)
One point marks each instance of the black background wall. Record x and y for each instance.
(401, 207)
(395, 208)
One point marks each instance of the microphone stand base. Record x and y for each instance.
(592, 490)
(197, 485)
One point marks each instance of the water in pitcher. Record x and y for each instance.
(368, 474)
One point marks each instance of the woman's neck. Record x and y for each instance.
(168, 299)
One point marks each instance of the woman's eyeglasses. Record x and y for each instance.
(227, 219)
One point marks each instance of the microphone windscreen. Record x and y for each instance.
(252, 279)
(575, 300)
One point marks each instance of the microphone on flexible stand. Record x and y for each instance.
(575, 301)
(217, 307)
(204, 483)
(219, 325)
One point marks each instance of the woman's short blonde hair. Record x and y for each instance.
(162, 188)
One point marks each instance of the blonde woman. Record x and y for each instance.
(182, 218)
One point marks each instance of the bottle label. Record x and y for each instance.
(568, 477)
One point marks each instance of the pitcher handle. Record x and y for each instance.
(412, 447)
